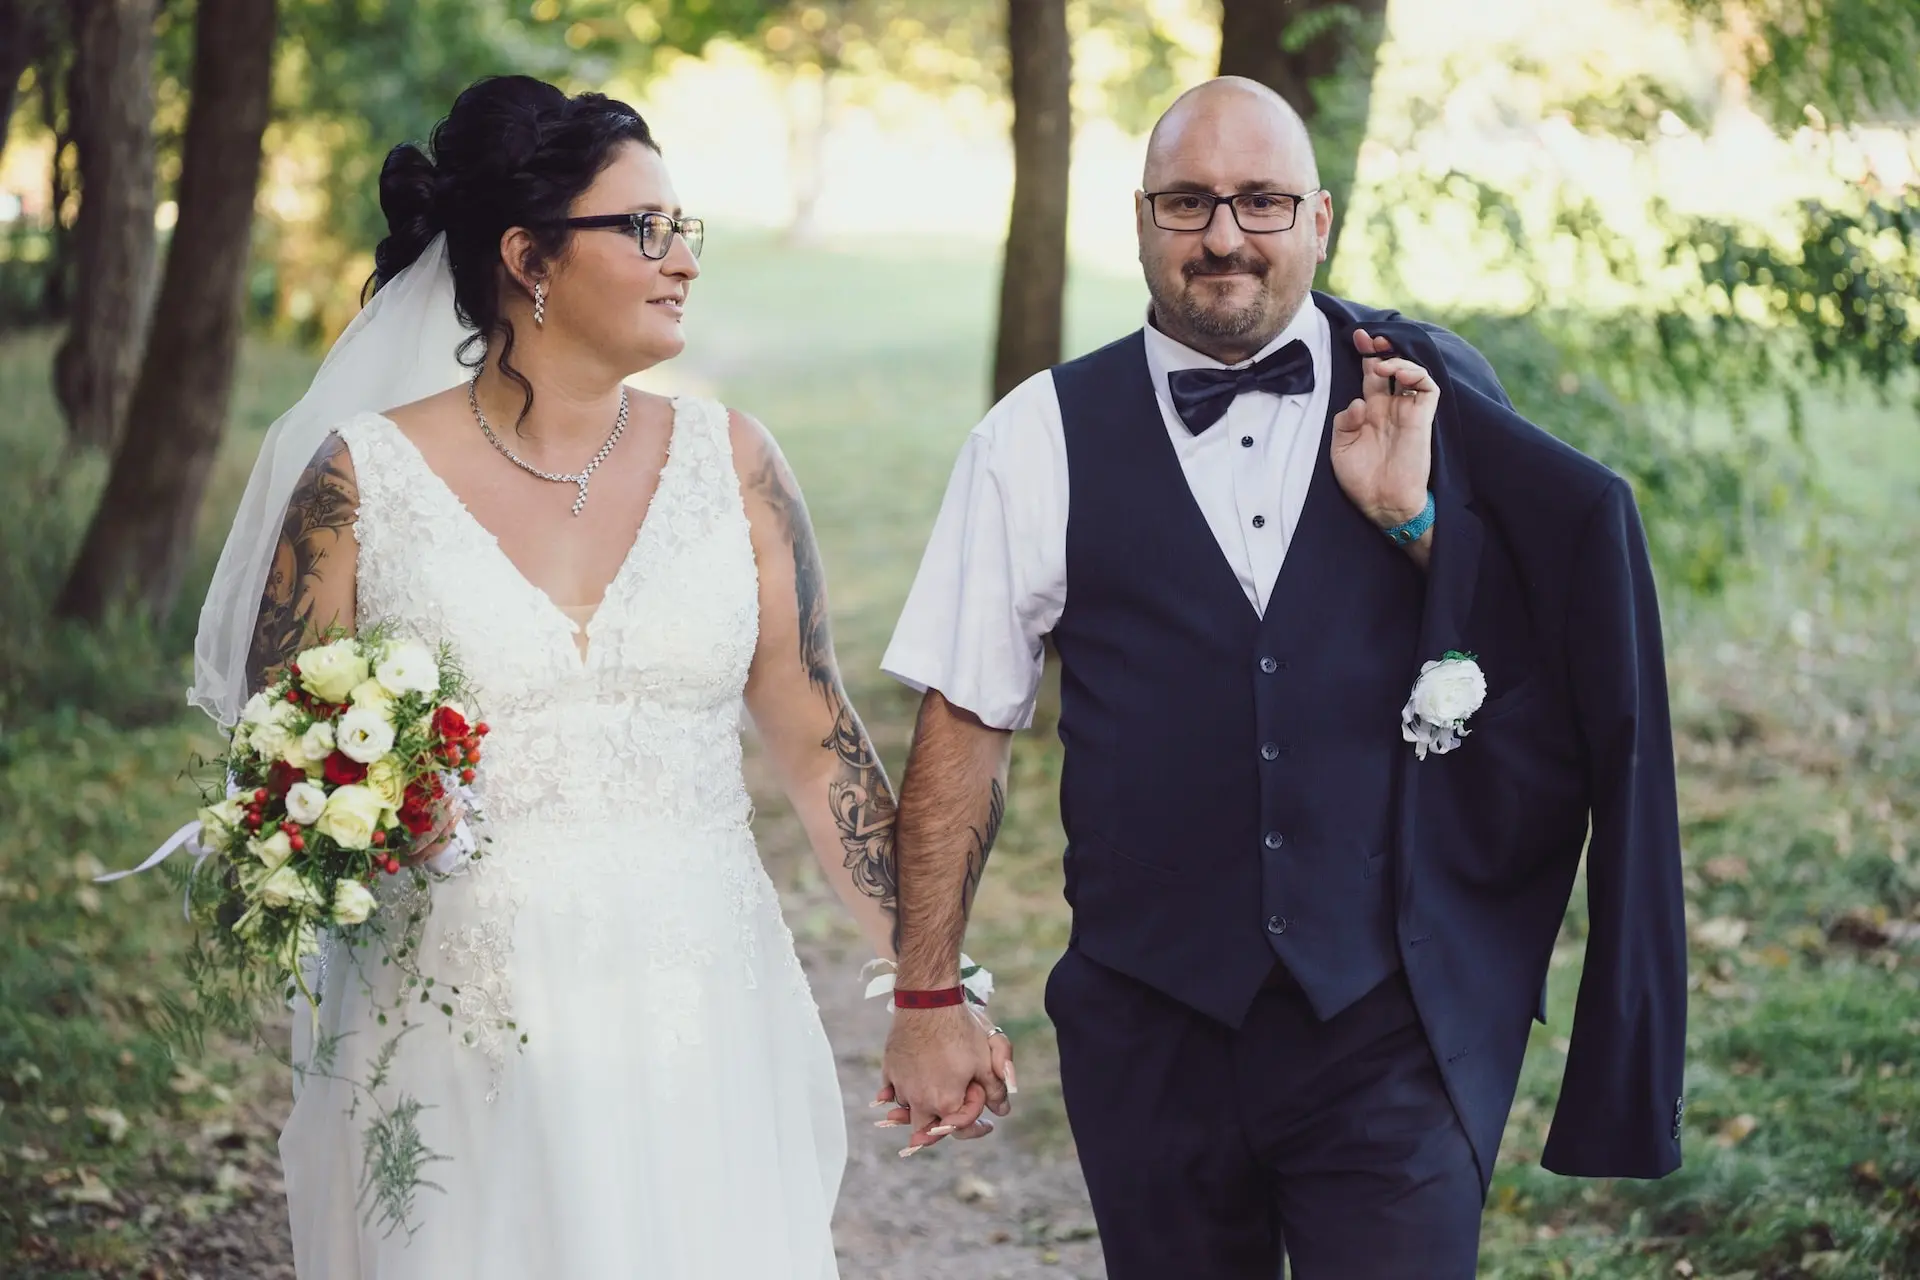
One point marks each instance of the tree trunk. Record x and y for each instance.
(137, 548)
(809, 123)
(1319, 55)
(1033, 279)
(110, 103)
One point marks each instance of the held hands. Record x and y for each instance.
(1383, 442)
(942, 1069)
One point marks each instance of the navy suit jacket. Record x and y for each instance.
(1540, 569)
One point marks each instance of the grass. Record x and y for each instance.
(1795, 700)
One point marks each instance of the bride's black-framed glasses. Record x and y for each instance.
(1255, 212)
(652, 231)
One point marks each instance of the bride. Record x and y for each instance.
(619, 573)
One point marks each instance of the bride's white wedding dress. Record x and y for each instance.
(673, 1113)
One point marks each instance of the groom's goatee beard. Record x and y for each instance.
(1197, 318)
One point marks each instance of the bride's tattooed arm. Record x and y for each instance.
(310, 580)
(815, 739)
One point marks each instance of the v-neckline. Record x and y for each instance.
(554, 609)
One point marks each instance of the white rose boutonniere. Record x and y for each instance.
(1447, 692)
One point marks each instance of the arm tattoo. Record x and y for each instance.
(319, 514)
(859, 796)
(982, 846)
(809, 579)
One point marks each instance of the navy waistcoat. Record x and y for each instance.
(1230, 788)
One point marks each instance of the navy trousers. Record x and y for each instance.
(1216, 1154)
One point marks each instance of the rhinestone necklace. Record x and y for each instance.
(579, 478)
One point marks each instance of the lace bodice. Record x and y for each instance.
(644, 727)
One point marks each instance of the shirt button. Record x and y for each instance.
(1270, 751)
(1273, 840)
(1259, 522)
(1246, 442)
(1269, 666)
(1277, 924)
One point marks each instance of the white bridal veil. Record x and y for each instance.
(400, 348)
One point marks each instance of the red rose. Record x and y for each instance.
(342, 769)
(416, 818)
(449, 723)
(281, 777)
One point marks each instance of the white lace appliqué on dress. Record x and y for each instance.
(674, 1080)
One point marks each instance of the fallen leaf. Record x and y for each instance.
(1721, 933)
(1736, 1130)
(90, 1191)
(972, 1189)
(111, 1123)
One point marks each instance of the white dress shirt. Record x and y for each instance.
(993, 580)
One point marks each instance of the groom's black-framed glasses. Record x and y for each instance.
(652, 231)
(1255, 212)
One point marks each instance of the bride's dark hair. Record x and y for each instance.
(513, 152)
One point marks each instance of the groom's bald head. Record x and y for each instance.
(1220, 288)
(1233, 115)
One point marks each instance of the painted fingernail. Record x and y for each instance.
(891, 1124)
(941, 1131)
(882, 1102)
(1012, 1087)
(909, 1151)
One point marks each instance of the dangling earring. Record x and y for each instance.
(540, 303)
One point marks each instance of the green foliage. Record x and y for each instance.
(1845, 61)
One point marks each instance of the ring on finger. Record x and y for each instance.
(999, 1031)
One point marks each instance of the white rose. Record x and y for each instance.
(285, 888)
(385, 780)
(407, 667)
(219, 822)
(317, 743)
(305, 803)
(272, 741)
(353, 902)
(365, 735)
(273, 851)
(1448, 691)
(330, 671)
(372, 695)
(258, 711)
(352, 814)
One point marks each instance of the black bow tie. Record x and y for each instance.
(1201, 396)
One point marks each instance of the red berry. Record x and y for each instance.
(482, 729)
(379, 837)
(298, 842)
(466, 775)
(260, 795)
(393, 866)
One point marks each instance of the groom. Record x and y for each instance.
(1308, 937)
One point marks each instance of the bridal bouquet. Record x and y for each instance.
(335, 773)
